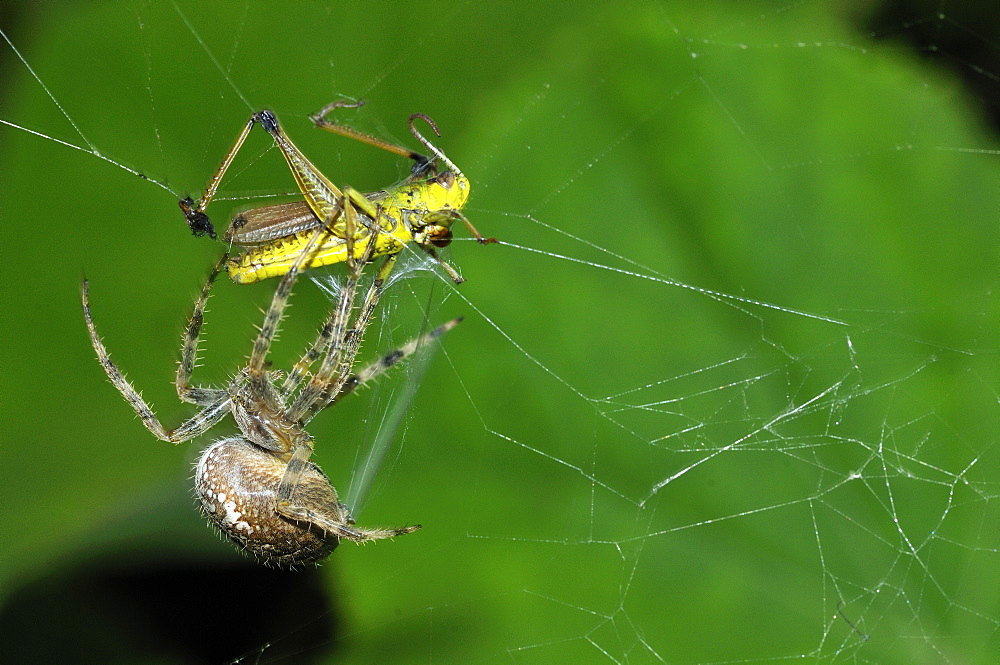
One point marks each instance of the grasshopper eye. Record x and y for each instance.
(446, 179)
(439, 236)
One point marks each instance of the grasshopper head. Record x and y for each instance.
(446, 193)
(447, 190)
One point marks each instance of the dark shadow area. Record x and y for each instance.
(961, 36)
(124, 609)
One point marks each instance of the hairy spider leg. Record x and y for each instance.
(215, 402)
(279, 301)
(390, 360)
(334, 328)
(335, 368)
(189, 350)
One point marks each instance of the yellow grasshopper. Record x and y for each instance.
(420, 209)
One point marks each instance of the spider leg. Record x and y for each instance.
(272, 318)
(298, 373)
(387, 362)
(340, 529)
(189, 350)
(211, 414)
(336, 522)
(333, 327)
(336, 366)
(336, 324)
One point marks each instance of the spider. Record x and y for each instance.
(259, 487)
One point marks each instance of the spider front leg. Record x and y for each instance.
(189, 349)
(335, 325)
(279, 301)
(215, 402)
(361, 378)
(388, 361)
(335, 369)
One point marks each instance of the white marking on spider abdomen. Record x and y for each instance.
(216, 503)
(232, 517)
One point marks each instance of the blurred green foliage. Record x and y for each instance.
(728, 391)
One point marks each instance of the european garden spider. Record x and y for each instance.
(259, 488)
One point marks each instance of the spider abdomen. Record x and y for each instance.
(237, 482)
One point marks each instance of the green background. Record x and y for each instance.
(727, 390)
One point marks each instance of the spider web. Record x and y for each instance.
(726, 390)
